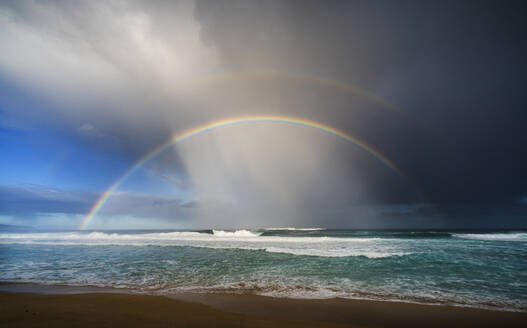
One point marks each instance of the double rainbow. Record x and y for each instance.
(225, 123)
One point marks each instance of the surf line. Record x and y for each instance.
(99, 203)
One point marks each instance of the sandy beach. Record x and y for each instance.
(110, 309)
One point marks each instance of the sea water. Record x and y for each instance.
(464, 268)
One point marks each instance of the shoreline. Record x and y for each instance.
(53, 288)
(253, 307)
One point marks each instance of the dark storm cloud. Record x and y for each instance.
(457, 67)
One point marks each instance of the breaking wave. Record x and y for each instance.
(321, 246)
(294, 229)
(495, 236)
(236, 233)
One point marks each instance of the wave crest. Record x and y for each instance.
(294, 229)
(495, 236)
(219, 239)
(236, 233)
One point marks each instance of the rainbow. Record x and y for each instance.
(225, 123)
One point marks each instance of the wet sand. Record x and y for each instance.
(110, 309)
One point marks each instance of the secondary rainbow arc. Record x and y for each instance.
(341, 86)
(225, 123)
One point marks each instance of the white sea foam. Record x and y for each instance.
(495, 236)
(239, 239)
(97, 235)
(293, 229)
(331, 252)
(236, 233)
(216, 236)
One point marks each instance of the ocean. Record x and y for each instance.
(484, 269)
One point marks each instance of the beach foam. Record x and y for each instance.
(219, 239)
(236, 233)
(293, 229)
(495, 236)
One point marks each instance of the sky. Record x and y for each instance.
(436, 88)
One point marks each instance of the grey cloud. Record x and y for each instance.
(146, 206)
(30, 201)
(455, 67)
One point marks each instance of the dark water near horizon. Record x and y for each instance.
(479, 268)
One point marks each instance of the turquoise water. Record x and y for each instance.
(479, 269)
